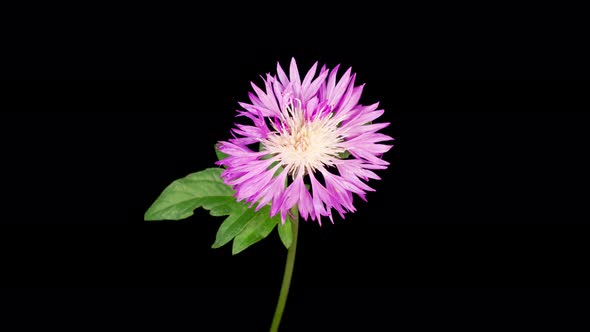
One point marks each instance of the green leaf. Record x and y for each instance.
(182, 196)
(233, 225)
(220, 155)
(286, 233)
(255, 230)
(206, 189)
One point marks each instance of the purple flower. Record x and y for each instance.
(311, 132)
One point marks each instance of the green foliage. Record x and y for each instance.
(286, 232)
(206, 189)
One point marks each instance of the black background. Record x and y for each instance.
(479, 223)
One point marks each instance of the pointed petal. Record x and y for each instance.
(340, 88)
(308, 77)
(294, 76)
(331, 82)
(282, 76)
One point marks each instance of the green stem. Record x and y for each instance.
(276, 320)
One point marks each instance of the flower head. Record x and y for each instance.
(311, 144)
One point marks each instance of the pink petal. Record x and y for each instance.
(282, 77)
(294, 76)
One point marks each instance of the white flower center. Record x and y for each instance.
(301, 144)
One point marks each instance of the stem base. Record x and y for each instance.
(276, 320)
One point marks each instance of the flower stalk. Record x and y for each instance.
(287, 275)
